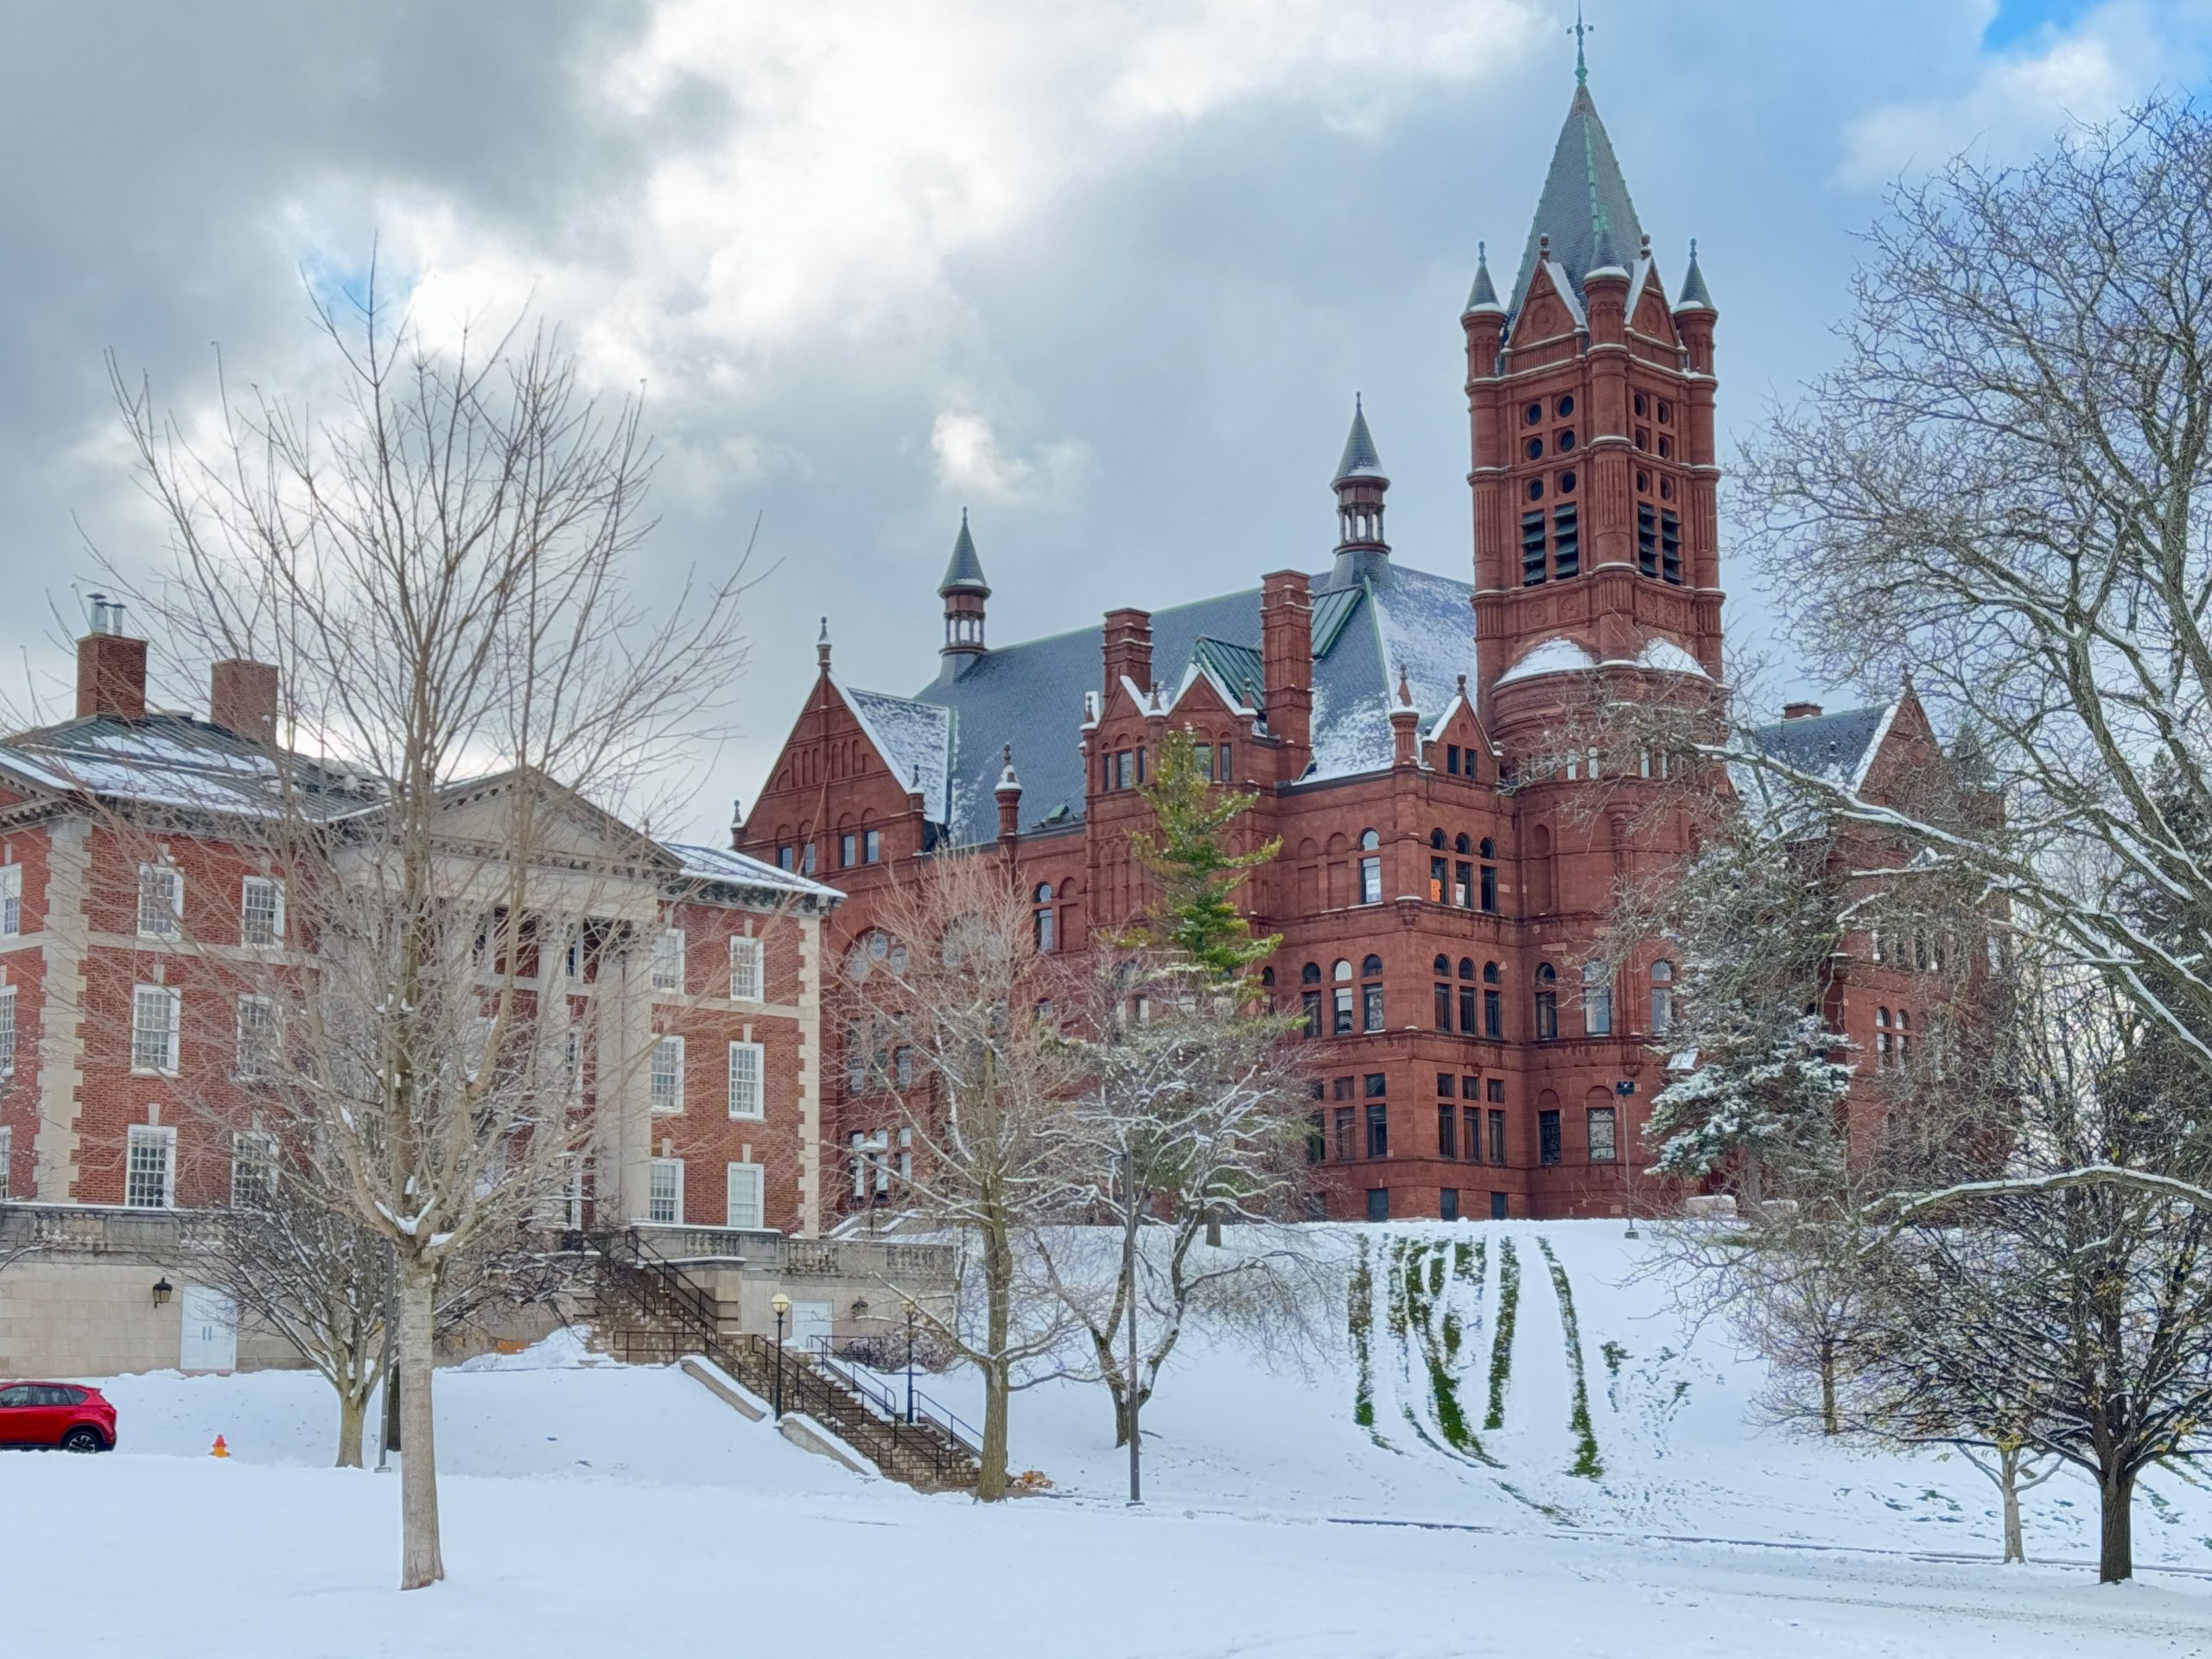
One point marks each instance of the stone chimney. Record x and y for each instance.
(111, 665)
(1128, 649)
(1800, 711)
(242, 698)
(1286, 663)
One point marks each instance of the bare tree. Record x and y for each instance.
(439, 571)
(985, 1086)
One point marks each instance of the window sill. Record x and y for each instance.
(748, 1117)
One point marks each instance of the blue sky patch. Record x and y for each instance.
(2018, 19)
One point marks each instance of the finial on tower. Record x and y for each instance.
(964, 591)
(821, 646)
(1482, 297)
(1580, 28)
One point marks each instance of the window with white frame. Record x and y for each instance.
(161, 901)
(7, 1153)
(667, 960)
(856, 1161)
(745, 970)
(747, 1190)
(253, 1169)
(664, 1191)
(149, 1168)
(746, 1093)
(256, 1050)
(668, 1074)
(261, 911)
(155, 1016)
(11, 899)
(7, 1030)
(907, 1154)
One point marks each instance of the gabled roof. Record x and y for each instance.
(1237, 672)
(1837, 748)
(914, 738)
(1584, 197)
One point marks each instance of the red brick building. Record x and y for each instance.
(138, 894)
(1444, 874)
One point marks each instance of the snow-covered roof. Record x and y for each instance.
(719, 864)
(175, 760)
(1836, 748)
(914, 738)
(1555, 655)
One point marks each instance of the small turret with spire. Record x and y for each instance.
(964, 591)
(1360, 484)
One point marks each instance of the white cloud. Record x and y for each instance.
(972, 464)
(2020, 99)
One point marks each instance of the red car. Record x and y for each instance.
(66, 1415)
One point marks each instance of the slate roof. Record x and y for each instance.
(964, 569)
(1694, 292)
(728, 868)
(175, 760)
(1583, 194)
(1359, 460)
(1835, 746)
(1030, 695)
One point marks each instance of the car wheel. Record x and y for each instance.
(83, 1440)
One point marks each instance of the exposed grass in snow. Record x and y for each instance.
(1360, 1318)
(1586, 1464)
(1501, 1346)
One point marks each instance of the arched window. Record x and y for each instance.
(1905, 1038)
(1881, 1037)
(1370, 994)
(1340, 1015)
(1309, 997)
(1268, 990)
(1460, 845)
(1042, 920)
(1310, 973)
(1663, 996)
(1493, 1003)
(1436, 840)
(1442, 969)
(1370, 867)
(1546, 1003)
(1597, 999)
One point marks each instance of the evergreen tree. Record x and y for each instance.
(1186, 853)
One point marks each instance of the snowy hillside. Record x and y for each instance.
(1463, 1390)
(1444, 1497)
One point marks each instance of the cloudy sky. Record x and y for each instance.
(1108, 275)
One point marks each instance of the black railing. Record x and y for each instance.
(842, 1398)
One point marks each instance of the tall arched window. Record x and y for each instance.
(1905, 1038)
(1493, 1003)
(1442, 969)
(1488, 852)
(1370, 867)
(1546, 1003)
(1370, 994)
(1597, 999)
(1309, 997)
(1663, 996)
(1041, 918)
(1881, 1037)
(1467, 1026)
(1340, 1021)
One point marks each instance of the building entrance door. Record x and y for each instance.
(210, 1332)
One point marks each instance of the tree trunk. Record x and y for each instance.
(2009, 1479)
(422, 1562)
(1830, 1423)
(2116, 1543)
(352, 1408)
(998, 1295)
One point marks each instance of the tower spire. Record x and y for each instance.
(964, 591)
(1359, 483)
(1580, 28)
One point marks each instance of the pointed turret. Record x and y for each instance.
(1695, 296)
(1482, 297)
(964, 591)
(1585, 197)
(1359, 483)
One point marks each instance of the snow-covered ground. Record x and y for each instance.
(594, 1509)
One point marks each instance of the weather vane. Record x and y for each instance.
(1580, 28)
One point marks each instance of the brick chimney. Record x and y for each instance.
(1008, 794)
(1129, 648)
(1286, 663)
(111, 665)
(1800, 711)
(1405, 725)
(242, 698)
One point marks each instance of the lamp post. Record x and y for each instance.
(910, 1361)
(782, 1304)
